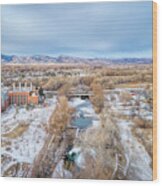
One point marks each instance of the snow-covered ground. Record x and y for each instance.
(138, 164)
(130, 107)
(60, 171)
(138, 160)
(25, 147)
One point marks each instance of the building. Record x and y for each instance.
(23, 95)
(4, 99)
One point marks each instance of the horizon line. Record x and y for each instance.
(74, 56)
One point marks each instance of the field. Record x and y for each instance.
(96, 122)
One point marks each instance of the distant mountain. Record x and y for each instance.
(133, 60)
(27, 59)
(6, 58)
(69, 59)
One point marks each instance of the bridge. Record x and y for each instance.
(80, 94)
(76, 93)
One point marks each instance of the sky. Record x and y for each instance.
(107, 29)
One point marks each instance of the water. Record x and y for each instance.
(84, 114)
(82, 122)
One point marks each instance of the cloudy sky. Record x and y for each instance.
(82, 29)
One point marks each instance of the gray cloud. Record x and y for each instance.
(84, 29)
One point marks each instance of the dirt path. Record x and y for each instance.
(51, 153)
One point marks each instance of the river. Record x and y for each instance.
(85, 115)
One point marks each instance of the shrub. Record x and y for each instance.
(142, 123)
(125, 96)
(98, 97)
(61, 115)
(64, 90)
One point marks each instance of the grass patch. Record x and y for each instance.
(130, 85)
(17, 131)
(5, 143)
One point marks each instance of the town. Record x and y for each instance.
(65, 120)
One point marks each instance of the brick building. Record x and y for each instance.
(23, 95)
(4, 99)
